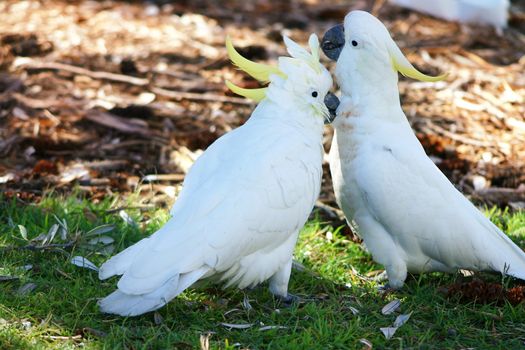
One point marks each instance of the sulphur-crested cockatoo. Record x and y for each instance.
(409, 215)
(244, 200)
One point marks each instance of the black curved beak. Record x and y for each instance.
(333, 42)
(332, 102)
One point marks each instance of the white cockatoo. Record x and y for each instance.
(244, 200)
(409, 215)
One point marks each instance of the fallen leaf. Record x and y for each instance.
(366, 342)
(157, 318)
(26, 289)
(80, 261)
(267, 328)
(401, 319)
(237, 326)
(353, 310)
(246, 303)
(391, 307)
(99, 230)
(23, 231)
(50, 234)
(8, 278)
(388, 331)
(105, 240)
(127, 219)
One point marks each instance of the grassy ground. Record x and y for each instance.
(344, 307)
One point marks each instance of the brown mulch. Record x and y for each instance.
(103, 96)
(483, 292)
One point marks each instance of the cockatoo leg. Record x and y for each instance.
(279, 282)
(384, 250)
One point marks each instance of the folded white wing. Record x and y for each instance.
(423, 211)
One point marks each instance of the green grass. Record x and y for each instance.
(62, 308)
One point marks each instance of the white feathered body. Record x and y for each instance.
(408, 213)
(237, 218)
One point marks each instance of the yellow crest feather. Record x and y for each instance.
(401, 64)
(253, 94)
(259, 71)
(411, 72)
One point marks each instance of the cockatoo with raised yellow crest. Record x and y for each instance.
(244, 200)
(411, 218)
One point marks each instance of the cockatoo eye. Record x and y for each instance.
(314, 94)
(354, 43)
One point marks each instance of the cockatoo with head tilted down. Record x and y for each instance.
(411, 218)
(244, 200)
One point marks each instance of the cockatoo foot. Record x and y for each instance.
(289, 300)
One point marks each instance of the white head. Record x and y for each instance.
(365, 51)
(300, 81)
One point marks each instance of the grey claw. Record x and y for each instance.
(289, 299)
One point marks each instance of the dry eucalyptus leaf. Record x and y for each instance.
(80, 261)
(99, 230)
(127, 219)
(157, 318)
(23, 231)
(50, 234)
(353, 310)
(401, 319)
(237, 326)
(8, 278)
(105, 240)
(267, 328)
(26, 289)
(246, 303)
(366, 343)
(391, 307)
(388, 331)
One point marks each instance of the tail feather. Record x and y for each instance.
(124, 304)
(118, 264)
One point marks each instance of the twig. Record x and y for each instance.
(58, 247)
(178, 95)
(120, 78)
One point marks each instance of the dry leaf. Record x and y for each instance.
(246, 303)
(100, 230)
(366, 343)
(80, 261)
(353, 310)
(237, 326)
(23, 231)
(26, 289)
(401, 319)
(50, 234)
(388, 331)
(267, 328)
(105, 240)
(391, 307)
(157, 318)
(8, 278)
(127, 219)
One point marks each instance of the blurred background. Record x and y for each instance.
(105, 97)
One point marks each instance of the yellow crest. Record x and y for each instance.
(258, 71)
(403, 66)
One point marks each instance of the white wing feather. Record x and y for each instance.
(244, 197)
(407, 194)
